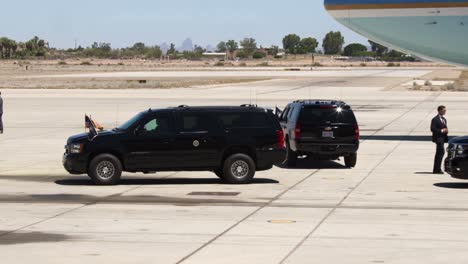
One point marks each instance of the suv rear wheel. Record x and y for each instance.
(351, 160)
(239, 169)
(105, 169)
(291, 156)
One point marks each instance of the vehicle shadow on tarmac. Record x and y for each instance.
(311, 164)
(452, 185)
(30, 237)
(152, 181)
(399, 138)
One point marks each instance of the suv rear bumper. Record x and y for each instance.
(74, 163)
(269, 157)
(326, 149)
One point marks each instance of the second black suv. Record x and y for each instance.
(456, 163)
(233, 142)
(320, 129)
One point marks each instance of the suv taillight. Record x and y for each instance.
(356, 132)
(297, 131)
(280, 135)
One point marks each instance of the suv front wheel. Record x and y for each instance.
(105, 169)
(238, 169)
(291, 156)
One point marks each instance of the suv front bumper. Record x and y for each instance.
(75, 163)
(457, 167)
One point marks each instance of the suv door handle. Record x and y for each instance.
(168, 141)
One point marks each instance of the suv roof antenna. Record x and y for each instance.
(256, 97)
(117, 116)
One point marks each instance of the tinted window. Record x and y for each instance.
(285, 113)
(157, 125)
(232, 120)
(333, 115)
(290, 113)
(196, 122)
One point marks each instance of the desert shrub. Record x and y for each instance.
(392, 64)
(259, 55)
(62, 62)
(219, 64)
(241, 54)
(86, 63)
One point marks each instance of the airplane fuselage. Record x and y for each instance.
(435, 30)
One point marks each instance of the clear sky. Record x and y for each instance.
(124, 22)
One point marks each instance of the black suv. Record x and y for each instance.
(233, 142)
(456, 163)
(320, 129)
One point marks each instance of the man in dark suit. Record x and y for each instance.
(439, 137)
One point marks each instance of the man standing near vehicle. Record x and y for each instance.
(1, 113)
(439, 137)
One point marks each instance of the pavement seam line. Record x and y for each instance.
(333, 209)
(331, 81)
(245, 218)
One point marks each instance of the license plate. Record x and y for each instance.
(327, 134)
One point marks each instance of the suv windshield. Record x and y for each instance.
(130, 122)
(324, 115)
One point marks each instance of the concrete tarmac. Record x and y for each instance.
(388, 209)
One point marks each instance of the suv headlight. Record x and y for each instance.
(459, 149)
(75, 148)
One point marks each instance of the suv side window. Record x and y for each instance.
(285, 113)
(229, 120)
(244, 120)
(196, 122)
(260, 120)
(156, 125)
(290, 113)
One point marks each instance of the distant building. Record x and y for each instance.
(187, 45)
(217, 55)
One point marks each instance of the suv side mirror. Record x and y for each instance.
(138, 131)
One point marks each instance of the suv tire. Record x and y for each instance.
(291, 156)
(239, 169)
(105, 169)
(351, 160)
